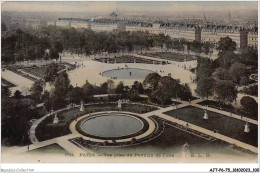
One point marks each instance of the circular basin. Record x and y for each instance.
(127, 73)
(112, 126)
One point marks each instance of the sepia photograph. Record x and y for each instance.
(129, 82)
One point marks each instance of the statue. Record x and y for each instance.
(246, 130)
(82, 106)
(186, 150)
(119, 103)
(205, 115)
(56, 119)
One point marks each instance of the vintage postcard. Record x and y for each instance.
(129, 82)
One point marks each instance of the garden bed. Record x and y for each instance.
(227, 108)
(222, 124)
(172, 56)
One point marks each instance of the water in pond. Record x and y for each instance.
(127, 73)
(112, 125)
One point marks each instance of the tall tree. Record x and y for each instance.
(225, 91)
(205, 87)
(36, 92)
(226, 44)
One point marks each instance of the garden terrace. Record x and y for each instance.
(171, 56)
(47, 130)
(23, 74)
(227, 108)
(222, 124)
(128, 59)
(39, 71)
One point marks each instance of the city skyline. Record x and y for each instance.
(127, 6)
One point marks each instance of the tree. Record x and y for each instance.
(110, 86)
(48, 104)
(62, 87)
(151, 81)
(76, 95)
(133, 95)
(196, 46)
(249, 105)
(205, 67)
(226, 44)
(238, 70)
(17, 94)
(45, 96)
(227, 58)
(249, 57)
(15, 115)
(138, 86)
(51, 72)
(103, 88)
(88, 90)
(225, 91)
(58, 46)
(120, 88)
(205, 87)
(160, 96)
(54, 53)
(244, 81)
(5, 92)
(183, 92)
(222, 74)
(36, 91)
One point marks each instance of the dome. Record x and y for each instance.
(113, 15)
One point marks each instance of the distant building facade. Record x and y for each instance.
(213, 33)
(253, 38)
(190, 32)
(28, 23)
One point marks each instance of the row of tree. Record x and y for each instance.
(22, 46)
(25, 46)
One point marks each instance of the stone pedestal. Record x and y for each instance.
(205, 115)
(246, 130)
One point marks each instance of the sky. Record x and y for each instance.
(128, 6)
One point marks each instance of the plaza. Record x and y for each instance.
(99, 127)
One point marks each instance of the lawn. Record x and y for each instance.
(39, 71)
(47, 130)
(50, 149)
(227, 126)
(228, 108)
(172, 56)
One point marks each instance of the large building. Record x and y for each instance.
(190, 32)
(28, 23)
(213, 33)
(253, 38)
